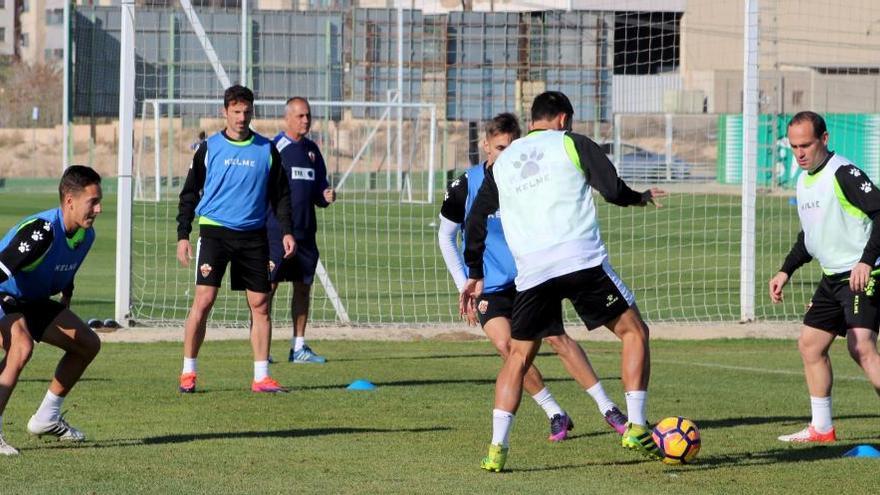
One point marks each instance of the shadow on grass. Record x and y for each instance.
(760, 420)
(424, 383)
(230, 435)
(379, 357)
(488, 354)
(774, 456)
(47, 380)
(578, 466)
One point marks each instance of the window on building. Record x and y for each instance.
(26, 5)
(54, 17)
(2, 4)
(25, 40)
(53, 54)
(2, 35)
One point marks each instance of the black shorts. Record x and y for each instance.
(835, 308)
(495, 304)
(597, 294)
(249, 257)
(298, 268)
(38, 315)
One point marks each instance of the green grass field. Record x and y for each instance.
(682, 261)
(426, 426)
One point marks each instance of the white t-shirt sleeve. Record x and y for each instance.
(447, 237)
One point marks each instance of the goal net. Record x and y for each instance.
(659, 87)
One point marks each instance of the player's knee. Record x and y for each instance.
(202, 305)
(20, 353)
(519, 358)
(809, 349)
(90, 346)
(503, 347)
(559, 343)
(260, 308)
(862, 351)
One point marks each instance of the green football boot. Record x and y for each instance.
(638, 438)
(494, 461)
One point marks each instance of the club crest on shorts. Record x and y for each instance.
(483, 306)
(205, 269)
(271, 266)
(312, 156)
(611, 300)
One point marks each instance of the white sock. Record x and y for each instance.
(545, 399)
(50, 408)
(189, 365)
(298, 343)
(635, 406)
(821, 407)
(261, 370)
(597, 392)
(501, 424)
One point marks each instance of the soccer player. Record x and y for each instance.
(541, 185)
(235, 176)
(839, 210)
(306, 174)
(39, 258)
(496, 302)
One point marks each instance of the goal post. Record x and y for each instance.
(355, 151)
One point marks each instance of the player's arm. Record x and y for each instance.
(28, 246)
(279, 193)
(858, 189)
(451, 218)
(602, 175)
(797, 257)
(191, 192)
(279, 200)
(320, 197)
(476, 228)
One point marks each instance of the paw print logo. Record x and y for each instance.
(865, 187)
(37, 235)
(855, 172)
(528, 164)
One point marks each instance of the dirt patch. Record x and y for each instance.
(462, 333)
(458, 336)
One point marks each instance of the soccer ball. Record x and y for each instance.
(678, 439)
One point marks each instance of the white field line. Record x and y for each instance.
(753, 369)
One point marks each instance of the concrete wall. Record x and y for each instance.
(796, 38)
(7, 25)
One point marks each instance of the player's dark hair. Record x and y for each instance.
(76, 178)
(237, 93)
(819, 127)
(503, 123)
(549, 104)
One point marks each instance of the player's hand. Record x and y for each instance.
(472, 290)
(656, 192)
(470, 316)
(330, 195)
(289, 245)
(776, 284)
(859, 276)
(184, 252)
